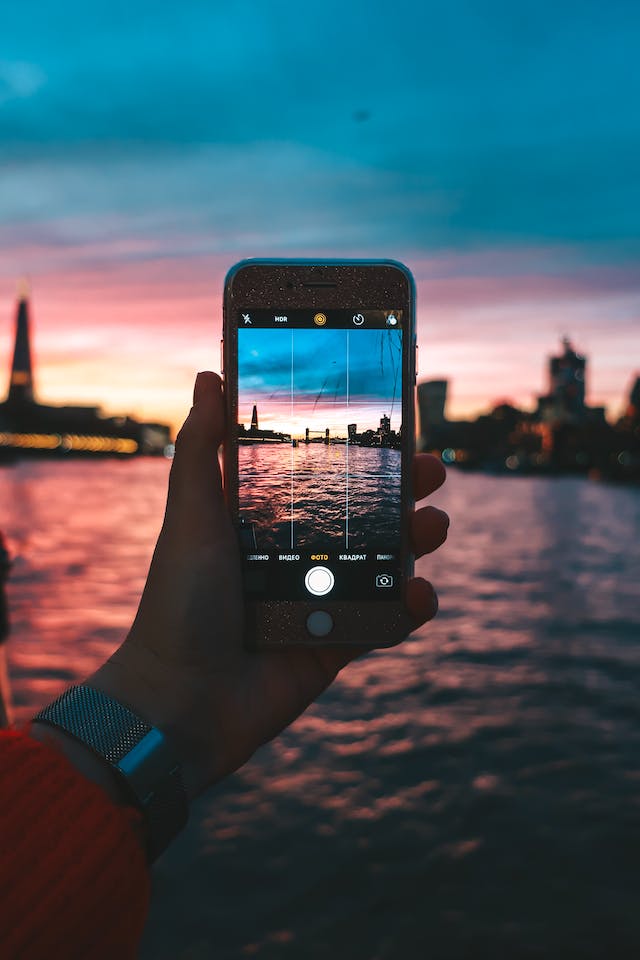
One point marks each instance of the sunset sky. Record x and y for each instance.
(320, 379)
(492, 146)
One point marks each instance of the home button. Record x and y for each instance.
(319, 623)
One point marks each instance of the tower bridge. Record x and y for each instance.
(325, 439)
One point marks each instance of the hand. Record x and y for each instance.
(183, 666)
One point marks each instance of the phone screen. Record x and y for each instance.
(319, 449)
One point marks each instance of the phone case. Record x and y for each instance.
(259, 283)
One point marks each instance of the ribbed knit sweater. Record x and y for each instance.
(74, 882)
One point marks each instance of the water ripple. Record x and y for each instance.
(473, 792)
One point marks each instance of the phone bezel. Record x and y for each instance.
(307, 284)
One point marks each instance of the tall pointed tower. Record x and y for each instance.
(254, 418)
(21, 382)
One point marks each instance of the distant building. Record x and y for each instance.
(21, 379)
(432, 400)
(255, 434)
(352, 431)
(565, 402)
(385, 425)
(634, 401)
(28, 427)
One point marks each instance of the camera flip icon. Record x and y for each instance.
(384, 580)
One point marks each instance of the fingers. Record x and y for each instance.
(429, 528)
(428, 531)
(195, 472)
(422, 600)
(207, 414)
(428, 474)
(422, 606)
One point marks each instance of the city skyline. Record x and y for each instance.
(320, 421)
(138, 165)
(105, 386)
(28, 426)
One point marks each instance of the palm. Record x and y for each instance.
(184, 664)
(247, 698)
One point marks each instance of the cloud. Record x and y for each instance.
(486, 125)
(144, 153)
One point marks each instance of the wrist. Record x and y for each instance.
(135, 678)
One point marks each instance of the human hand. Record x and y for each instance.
(183, 666)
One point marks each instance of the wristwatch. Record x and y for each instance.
(138, 753)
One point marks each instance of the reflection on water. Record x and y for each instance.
(474, 792)
(81, 535)
(320, 496)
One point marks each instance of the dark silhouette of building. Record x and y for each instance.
(28, 427)
(563, 435)
(432, 400)
(568, 379)
(626, 449)
(21, 380)
(633, 410)
(255, 435)
(565, 402)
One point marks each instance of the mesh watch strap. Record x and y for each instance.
(138, 752)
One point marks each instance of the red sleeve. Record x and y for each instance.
(73, 876)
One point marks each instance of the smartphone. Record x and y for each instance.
(319, 366)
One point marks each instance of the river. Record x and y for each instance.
(474, 792)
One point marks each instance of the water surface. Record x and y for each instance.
(472, 793)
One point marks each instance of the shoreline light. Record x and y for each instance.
(68, 442)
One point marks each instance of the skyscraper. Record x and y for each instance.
(21, 379)
(254, 418)
(432, 399)
(567, 383)
(634, 400)
(28, 427)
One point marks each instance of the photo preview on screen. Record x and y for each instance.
(319, 435)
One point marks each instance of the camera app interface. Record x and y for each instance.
(319, 437)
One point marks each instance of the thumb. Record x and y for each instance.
(195, 471)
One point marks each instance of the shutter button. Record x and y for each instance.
(319, 581)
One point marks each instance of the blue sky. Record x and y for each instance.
(493, 146)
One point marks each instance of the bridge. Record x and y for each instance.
(308, 432)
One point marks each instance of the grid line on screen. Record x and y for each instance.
(346, 457)
(292, 448)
